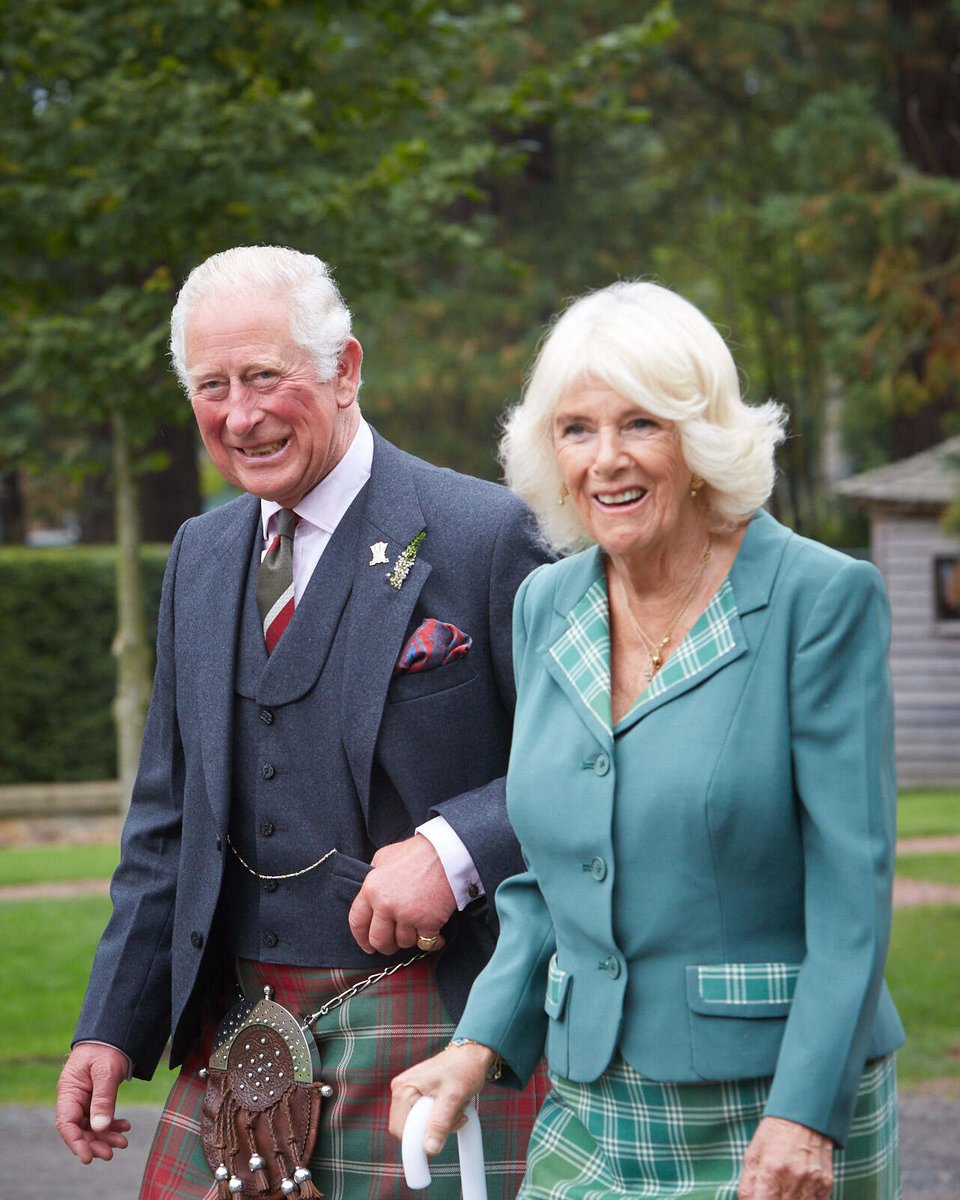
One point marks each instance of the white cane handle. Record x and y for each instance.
(416, 1169)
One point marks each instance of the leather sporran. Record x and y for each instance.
(262, 1103)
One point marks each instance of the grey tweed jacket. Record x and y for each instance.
(153, 962)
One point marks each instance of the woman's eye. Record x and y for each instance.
(572, 429)
(640, 424)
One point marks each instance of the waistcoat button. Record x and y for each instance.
(268, 770)
(267, 828)
(266, 716)
(196, 939)
(270, 940)
(270, 885)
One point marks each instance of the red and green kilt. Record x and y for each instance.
(373, 1036)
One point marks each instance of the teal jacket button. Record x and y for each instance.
(598, 869)
(610, 965)
(601, 764)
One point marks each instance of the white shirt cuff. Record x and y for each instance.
(455, 860)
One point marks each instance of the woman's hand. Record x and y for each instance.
(786, 1161)
(452, 1077)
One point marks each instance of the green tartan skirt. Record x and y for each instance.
(625, 1135)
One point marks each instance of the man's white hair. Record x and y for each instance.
(319, 319)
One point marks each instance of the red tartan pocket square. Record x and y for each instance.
(432, 644)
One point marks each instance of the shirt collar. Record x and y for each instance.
(327, 503)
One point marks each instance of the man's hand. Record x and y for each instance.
(86, 1097)
(404, 895)
(786, 1161)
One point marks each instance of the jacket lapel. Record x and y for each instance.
(219, 591)
(577, 650)
(577, 655)
(379, 613)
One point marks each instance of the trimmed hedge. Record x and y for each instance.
(57, 674)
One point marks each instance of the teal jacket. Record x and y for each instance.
(708, 889)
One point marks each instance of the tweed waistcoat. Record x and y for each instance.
(293, 796)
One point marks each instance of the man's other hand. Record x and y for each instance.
(86, 1098)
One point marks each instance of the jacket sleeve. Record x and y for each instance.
(841, 715)
(506, 1005)
(127, 1003)
(479, 817)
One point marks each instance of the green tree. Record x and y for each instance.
(136, 139)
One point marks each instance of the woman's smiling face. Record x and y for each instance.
(623, 468)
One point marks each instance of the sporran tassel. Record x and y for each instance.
(304, 1180)
(222, 1175)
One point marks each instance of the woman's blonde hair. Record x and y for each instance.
(651, 346)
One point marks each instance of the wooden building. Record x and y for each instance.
(921, 565)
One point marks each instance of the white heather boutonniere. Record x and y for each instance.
(404, 562)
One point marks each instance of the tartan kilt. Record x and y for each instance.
(365, 1042)
(626, 1135)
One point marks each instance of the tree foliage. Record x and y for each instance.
(792, 177)
(136, 139)
(466, 168)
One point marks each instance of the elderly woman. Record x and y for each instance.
(702, 783)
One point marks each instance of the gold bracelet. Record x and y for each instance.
(495, 1070)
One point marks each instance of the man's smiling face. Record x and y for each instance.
(269, 424)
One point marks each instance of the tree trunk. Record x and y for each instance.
(12, 524)
(130, 643)
(170, 496)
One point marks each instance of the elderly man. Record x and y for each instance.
(320, 806)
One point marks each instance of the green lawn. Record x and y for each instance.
(923, 972)
(52, 864)
(935, 868)
(49, 945)
(928, 814)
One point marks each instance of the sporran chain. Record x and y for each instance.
(359, 987)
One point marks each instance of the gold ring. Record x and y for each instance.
(427, 943)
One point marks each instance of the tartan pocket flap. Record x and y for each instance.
(558, 984)
(742, 989)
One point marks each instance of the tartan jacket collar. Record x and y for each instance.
(578, 655)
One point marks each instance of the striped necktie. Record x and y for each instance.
(275, 580)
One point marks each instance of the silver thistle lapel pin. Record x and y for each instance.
(405, 560)
(378, 555)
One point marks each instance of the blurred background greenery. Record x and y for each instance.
(466, 168)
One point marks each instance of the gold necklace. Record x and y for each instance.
(654, 650)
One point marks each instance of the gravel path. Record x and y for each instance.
(37, 1166)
